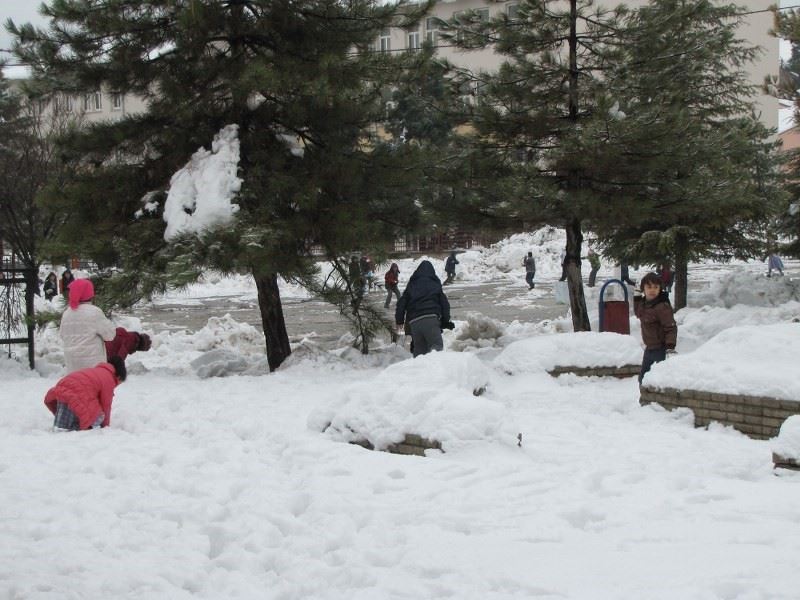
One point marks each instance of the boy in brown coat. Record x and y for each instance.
(659, 330)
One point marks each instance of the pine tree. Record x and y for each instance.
(541, 115)
(703, 166)
(299, 80)
(787, 26)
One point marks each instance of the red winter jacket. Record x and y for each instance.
(124, 343)
(87, 392)
(392, 276)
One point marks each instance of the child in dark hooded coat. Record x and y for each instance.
(425, 308)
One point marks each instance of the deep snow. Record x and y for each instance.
(227, 487)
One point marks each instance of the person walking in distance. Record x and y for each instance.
(530, 270)
(450, 267)
(390, 280)
(594, 263)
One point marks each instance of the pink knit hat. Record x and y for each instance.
(80, 290)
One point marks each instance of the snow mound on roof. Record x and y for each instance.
(432, 395)
(748, 360)
(581, 349)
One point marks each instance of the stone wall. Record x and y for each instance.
(756, 416)
(411, 444)
(619, 372)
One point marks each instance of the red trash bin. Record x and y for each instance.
(615, 314)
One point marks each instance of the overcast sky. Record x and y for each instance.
(19, 11)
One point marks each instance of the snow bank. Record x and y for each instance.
(432, 395)
(581, 349)
(200, 193)
(746, 286)
(747, 360)
(787, 444)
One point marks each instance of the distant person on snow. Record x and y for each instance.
(82, 399)
(774, 262)
(425, 309)
(391, 279)
(530, 270)
(563, 260)
(84, 328)
(659, 330)
(667, 276)
(66, 279)
(356, 279)
(624, 273)
(51, 287)
(594, 262)
(450, 267)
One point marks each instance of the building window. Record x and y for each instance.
(512, 10)
(116, 101)
(67, 103)
(413, 40)
(483, 14)
(432, 30)
(93, 102)
(385, 41)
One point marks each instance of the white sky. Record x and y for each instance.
(19, 11)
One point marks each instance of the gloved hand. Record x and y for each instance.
(144, 343)
(448, 325)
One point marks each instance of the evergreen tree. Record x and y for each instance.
(787, 26)
(702, 164)
(299, 81)
(542, 119)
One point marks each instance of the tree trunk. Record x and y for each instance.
(577, 301)
(269, 303)
(681, 272)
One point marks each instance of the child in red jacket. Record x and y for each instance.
(82, 399)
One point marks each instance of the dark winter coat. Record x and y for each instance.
(87, 392)
(659, 329)
(450, 264)
(423, 296)
(51, 287)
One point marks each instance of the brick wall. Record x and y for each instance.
(619, 372)
(756, 416)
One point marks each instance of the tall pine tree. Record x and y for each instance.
(299, 80)
(542, 113)
(702, 165)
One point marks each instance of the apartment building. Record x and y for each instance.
(755, 29)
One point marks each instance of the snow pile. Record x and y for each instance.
(744, 286)
(200, 194)
(213, 284)
(581, 349)
(787, 444)
(479, 331)
(748, 360)
(438, 396)
(698, 325)
(237, 348)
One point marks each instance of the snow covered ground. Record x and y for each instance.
(243, 486)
